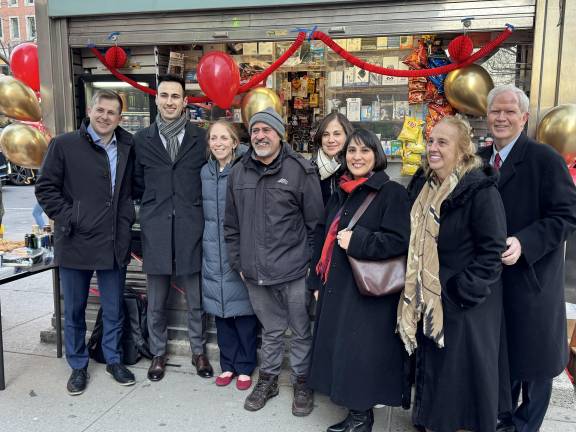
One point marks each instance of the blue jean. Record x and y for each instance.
(37, 213)
(75, 286)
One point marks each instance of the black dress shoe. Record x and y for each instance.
(77, 382)
(121, 374)
(203, 366)
(342, 426)
(505, 426)
(357, 421)
(157, 368)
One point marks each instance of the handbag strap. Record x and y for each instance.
(358, 214)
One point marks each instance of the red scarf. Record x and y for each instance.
(323, 266)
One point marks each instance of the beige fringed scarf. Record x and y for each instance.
(326, 165)
(422, 295)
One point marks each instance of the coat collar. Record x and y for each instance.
(516, 157)
(124, 142)
(471, 182)
(190, 133)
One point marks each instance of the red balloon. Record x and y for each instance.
(24, 65)
(219, 78)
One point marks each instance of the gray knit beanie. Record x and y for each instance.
(271, 118)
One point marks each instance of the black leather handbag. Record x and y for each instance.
(376, 278)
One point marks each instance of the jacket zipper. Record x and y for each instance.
(219, 242)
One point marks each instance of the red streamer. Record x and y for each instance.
(257, 79)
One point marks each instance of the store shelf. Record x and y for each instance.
(391, 89)
(138, 113)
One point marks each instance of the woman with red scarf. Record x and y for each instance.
(358, 359)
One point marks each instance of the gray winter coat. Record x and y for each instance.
(224, 294)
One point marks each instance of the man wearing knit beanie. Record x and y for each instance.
(273, 203)
(264, 126)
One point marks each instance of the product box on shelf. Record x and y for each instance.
(390, 63)
(366, 113)
(401, 109)
(353, 108)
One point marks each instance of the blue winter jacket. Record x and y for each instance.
(224, 293)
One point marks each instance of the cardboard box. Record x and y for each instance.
(349, 75)
(361, 77)
(381, 42)
(391, 63)
(353, 108)
(266, 48)
(335, 78)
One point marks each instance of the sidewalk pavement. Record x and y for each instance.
(35, 398)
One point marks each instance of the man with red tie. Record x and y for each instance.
(540, 202)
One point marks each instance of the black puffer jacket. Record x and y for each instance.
(271, 214)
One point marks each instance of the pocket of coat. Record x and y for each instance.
(533, 280)
(148, 198)
(76, 213)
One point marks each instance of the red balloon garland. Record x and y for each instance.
(460, 48)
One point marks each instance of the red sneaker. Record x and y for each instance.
(244, 384)
(223, 381)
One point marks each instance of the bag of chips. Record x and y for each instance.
(409, 169)
(410, 129)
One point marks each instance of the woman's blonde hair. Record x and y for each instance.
(468, 159)
(230, 128)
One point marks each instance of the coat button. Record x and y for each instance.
(346, 213)
(108, 203)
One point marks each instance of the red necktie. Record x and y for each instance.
(497, 162)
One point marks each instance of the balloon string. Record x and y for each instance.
(257, 79)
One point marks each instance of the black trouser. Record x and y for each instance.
(237, 343)
(528, 417)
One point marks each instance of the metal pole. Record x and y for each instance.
(2, 383)
(57, 311)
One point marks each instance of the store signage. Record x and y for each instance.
(68, 8)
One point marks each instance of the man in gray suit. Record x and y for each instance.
(169, 156)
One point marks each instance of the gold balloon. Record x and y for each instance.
(558, 129)
(23, 145)
(257, 100)
(18, 101)
(467, 89)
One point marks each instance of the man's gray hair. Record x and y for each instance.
(106, 94)
(523, 101)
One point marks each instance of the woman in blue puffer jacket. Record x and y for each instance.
(224, 293)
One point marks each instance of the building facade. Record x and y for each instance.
(17, 23)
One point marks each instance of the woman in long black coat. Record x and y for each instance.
(357, 357)
(451, 307)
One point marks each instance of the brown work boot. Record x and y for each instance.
(303, 402)
(265, 388)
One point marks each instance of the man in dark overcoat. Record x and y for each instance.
(540, 202)
(169, 156)
(85, 187)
